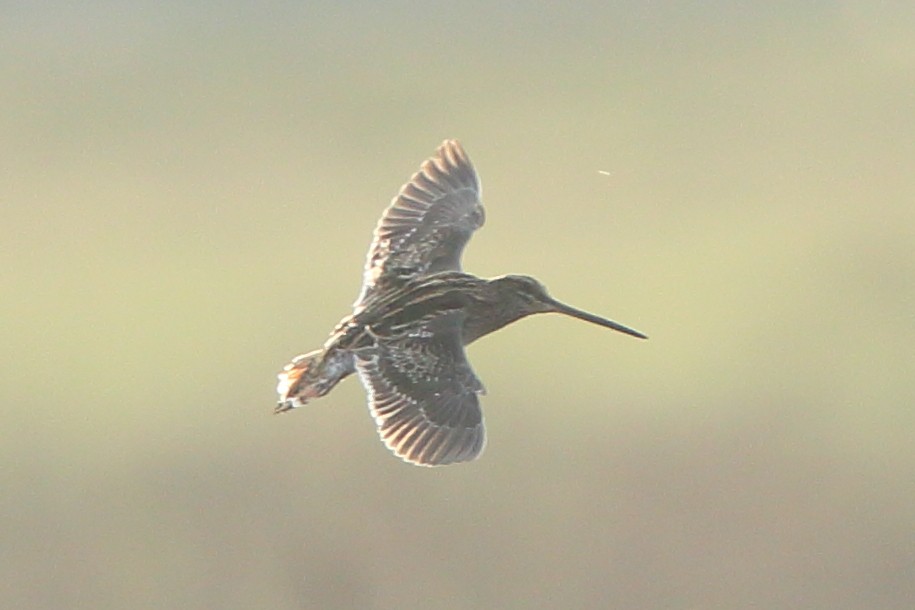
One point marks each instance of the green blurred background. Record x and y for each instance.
(187, 191)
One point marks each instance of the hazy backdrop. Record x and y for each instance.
(187, 191)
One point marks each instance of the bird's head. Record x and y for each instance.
(530, 296)
(527, 292)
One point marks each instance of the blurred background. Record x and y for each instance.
(187, 192)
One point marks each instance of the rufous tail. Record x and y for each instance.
(296, 384)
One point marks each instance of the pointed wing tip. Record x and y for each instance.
(452, 152)
(450, 143)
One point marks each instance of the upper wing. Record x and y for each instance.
(426, 226)
(423, 393)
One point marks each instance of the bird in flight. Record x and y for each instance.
(415, 313)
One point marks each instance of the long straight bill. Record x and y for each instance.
(590, 317)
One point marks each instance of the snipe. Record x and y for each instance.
(416, 312)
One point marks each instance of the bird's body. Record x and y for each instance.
(416, 312)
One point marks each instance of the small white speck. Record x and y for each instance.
(600, 171)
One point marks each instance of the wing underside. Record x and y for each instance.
(423, 394)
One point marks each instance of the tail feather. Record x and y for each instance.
(297, 382)
(311, 375)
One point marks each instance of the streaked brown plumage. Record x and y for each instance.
(416, 312)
